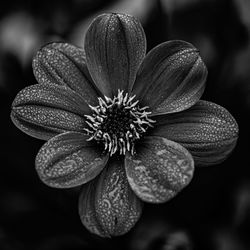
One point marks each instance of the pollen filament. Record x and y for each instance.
(118, 123)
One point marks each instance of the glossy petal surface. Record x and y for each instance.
(171, 78)
(68, 160)
(159, 169)
(44, 110)
(64, 64)
(115, 46)
(207, 130)
(107, 205)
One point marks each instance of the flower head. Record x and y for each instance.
(127, 125)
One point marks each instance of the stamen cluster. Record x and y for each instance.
(118, 122)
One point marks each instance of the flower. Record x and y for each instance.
(127, 125)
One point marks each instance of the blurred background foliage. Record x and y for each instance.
(213, 212)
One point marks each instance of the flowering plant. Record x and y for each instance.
(127, 125)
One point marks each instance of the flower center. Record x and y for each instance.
(118, 123)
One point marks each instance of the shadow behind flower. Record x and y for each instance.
(156, 234)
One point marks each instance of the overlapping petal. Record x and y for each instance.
(115, 46)
(159, 169)
(64, 64)
(107, 205)
(69, 160)
(171, 78)
(44, 110)
(207, 130)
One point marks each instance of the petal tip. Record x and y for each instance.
(160, 170)
(108, 207)
(171, 78)
(115, 47)
(68, 160)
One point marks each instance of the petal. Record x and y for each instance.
(108, 206)
(171, 77)
(44, 110)
(68, 160)
(115, 46)
(64, 64)
(159, 169)
(207, 130)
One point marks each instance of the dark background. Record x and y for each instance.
(212, 213)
